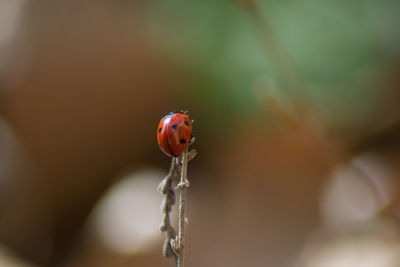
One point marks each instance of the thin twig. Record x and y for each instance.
(174, 241)
(179, 243)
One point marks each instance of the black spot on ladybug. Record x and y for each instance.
(182, 141)
(159, 130)
(186, 123)
(175, 126)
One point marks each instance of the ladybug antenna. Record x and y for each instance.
(178, 112)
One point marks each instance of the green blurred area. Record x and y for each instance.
(339, 48)
(288, 97)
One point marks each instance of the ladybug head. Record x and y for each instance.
(178, 112)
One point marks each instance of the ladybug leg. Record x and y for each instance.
(191, 154)
(192, 139)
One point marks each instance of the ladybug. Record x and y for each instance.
(174, 133)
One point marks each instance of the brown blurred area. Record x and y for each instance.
(82, 102)
(83, 85)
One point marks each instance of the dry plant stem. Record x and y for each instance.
(182, 187)
(174, 241)
(167, 189)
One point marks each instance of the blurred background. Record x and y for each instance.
(297, 122)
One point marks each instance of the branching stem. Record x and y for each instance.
(182, 187)
(174, 244)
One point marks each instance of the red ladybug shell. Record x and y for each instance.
(174, 133)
